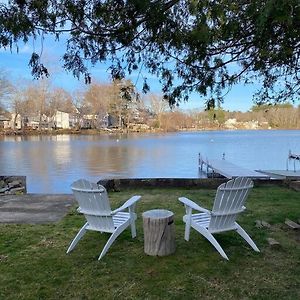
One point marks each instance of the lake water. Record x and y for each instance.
(52, 163)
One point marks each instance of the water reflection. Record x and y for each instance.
(52, 163)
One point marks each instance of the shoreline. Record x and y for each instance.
(33, 132)
(120, 184)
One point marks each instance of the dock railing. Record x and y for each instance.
(205, 162)
(292, 157)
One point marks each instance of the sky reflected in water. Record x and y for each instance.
(52, 163)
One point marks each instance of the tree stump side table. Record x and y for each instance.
(159, 232)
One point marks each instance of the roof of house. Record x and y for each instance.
(3, 118)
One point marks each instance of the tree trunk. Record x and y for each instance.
(40, 122)
(159, 232)
(14, 121)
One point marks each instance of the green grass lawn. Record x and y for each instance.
(34, 263)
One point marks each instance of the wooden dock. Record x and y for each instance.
(228, 169)
(282, 174)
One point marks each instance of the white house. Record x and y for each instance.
(4, 122)
(231, 123)
(17, 120)
(61, 120)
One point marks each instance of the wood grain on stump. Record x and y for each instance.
(159, 232)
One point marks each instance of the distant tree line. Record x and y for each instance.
(127, 110)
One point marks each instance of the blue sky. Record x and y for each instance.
(16, 65)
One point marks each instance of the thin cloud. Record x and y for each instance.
(26, 49)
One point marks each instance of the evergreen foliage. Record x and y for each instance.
(190, 45)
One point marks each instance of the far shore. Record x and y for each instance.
(32, 132)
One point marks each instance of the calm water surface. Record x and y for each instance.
(52, 163)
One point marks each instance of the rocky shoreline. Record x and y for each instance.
(16, 185)
(13, 185)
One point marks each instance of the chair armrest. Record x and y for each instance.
(193, 205)
(92, 213)
(127, 204)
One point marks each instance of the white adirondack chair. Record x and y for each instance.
(94, 204)
(229, 202)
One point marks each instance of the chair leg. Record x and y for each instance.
(187, 231)
(187, 219)
(246, 237)
(132, 224)
(112, 238)
(211, 238)
(78, 236)
(133, 228)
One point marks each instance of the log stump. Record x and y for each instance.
(159, 232)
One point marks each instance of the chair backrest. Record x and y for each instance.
(229, 202)
(94, 204)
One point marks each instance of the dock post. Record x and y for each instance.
(200, 162)
(206, 166)
(288, 160)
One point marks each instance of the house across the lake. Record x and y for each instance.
(61, 120)
(4, 122)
